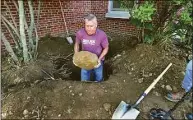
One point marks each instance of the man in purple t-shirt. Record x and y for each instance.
(95, 41)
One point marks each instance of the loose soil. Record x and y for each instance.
(31, 92)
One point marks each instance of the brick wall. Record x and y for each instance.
(111, 25)
(51, 21)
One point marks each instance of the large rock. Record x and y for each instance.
(85, 60)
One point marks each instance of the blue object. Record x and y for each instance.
(98, 73)
(187, 82)
(189, 116)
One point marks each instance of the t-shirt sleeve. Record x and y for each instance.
(78, 37)
(104, 42)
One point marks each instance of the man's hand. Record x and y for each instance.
(74, 63)
(73, 59)
(99, 64)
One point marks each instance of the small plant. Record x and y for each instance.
(142, 18)
(25, 36)
(178, 26)
(174, 20)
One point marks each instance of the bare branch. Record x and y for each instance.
(36, 26)
(15, 5)
(11, 33)
(31, 25)
(9, 48)
(38, 16)
(48, 74)
(37, 39)
(10, 14)
(10, 24)
(26, 26)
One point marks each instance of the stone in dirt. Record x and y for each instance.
(140, 80)
(168, 87)
(25, 112)
(163, 86)
(85, 60)
(174, 88)
(3, 115)
(156, 93)
(107, 106)
(80, 94)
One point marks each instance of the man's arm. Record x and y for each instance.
(104, 52)
(76, 47)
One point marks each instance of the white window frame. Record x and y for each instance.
(116, 14)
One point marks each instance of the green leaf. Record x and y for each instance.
(149, 26)
(148, 39)
(136, 22)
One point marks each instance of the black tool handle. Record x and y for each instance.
(178, 103)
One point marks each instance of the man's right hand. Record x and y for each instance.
(74, 63)
(99, 64)
(73, 59)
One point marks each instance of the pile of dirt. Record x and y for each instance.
(148, 62)
(144, 63)
(24, 76)
(50, 51)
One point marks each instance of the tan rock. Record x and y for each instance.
(85, 60)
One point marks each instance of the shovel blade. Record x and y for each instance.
(69, 39)
(131, 114)
(120, 110)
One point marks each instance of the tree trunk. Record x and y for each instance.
(31, 27)
(25, 22)
(22, 31)
(36, 26)
(9, 48)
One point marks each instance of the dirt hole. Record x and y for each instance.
(65, 70)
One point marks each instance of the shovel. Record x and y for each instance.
(126, 111)
(69, 39)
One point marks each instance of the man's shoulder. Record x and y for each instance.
(80, 30)
(101, 31)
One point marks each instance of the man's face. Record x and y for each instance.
(90, 26)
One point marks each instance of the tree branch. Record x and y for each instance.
(36, 26)
(15, 5)
(10, 24)
(10, 14)
(31, 27)
(38, 16)
(22, 31)
(11, 33)
(9, 48)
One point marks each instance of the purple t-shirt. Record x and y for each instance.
(93, 43)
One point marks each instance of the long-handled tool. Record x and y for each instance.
(160, 114)
(126, 111)
(69, 39)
